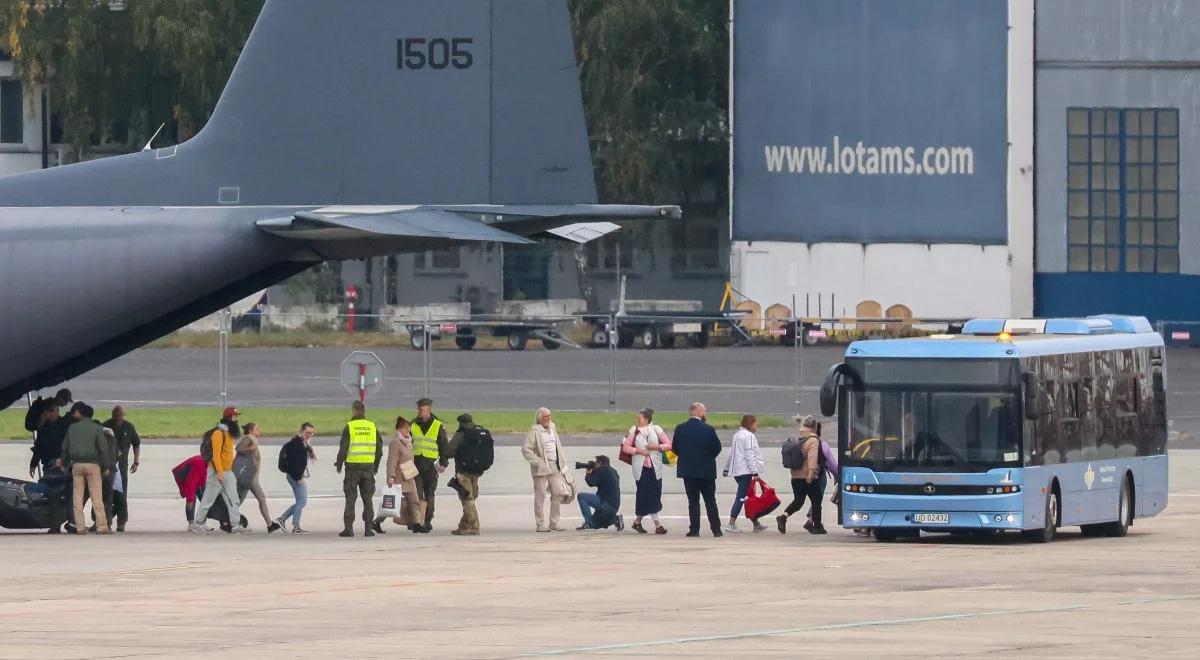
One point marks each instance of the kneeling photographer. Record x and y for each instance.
(600, 509)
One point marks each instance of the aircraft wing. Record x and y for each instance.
(486, 222)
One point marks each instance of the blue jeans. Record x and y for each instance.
(300, 492)
(590, 505)
(743, 483)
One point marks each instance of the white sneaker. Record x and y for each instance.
(759, 527)
(297, 530)
(732, 528)
(240, 530)
(282, 525)
(197, 528)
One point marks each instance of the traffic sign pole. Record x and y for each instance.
(362, 382)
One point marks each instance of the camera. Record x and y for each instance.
(590, 465)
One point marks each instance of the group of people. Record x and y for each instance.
(694, 446)
(215, 483)
(89, 459)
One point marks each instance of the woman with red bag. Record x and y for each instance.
(644, 446)
(744, 463)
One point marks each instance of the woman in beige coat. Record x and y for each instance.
(547, 463)
(400, 462)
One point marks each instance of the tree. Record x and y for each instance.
(655, 87)
(114, 76)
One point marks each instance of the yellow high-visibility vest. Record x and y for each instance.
(425, 444)
(363, 440)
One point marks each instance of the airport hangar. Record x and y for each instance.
(993, 157)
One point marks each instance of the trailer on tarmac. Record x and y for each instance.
(517, 331)
(657, 329)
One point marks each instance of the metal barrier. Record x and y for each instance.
(741, 372)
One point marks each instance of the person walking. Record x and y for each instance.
(360, 451)
(473, 450)
(543, 451)
(697, 447)
(220, 480)
(808, 480)
(294, 458)
(86, 453)
(247, 466)
(402, 472)
(429, 448)
(645, 444)
(744, 463)
(190, 477)
(127, 440)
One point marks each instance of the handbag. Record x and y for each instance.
(627, 459)
(761, 500)
(389, 504)
(408, 470)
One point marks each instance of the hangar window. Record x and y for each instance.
(1123, 190)
(696, 247)
(605, 254)
(12, 113)
(435, 261)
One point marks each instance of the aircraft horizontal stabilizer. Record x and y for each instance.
(422, 223)
(583, 232)
(574, 222)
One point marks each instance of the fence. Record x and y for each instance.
(586, 362)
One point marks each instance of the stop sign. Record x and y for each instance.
(362, 374)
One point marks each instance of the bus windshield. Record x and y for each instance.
(932, 431)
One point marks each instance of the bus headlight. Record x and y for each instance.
(1012, 518)
(998, 518)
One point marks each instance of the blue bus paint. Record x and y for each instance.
(1089, 485)
(1161, 297)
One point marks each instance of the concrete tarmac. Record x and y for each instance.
(157, 591)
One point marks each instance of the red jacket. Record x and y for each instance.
(190, 476)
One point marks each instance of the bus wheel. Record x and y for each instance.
(1047, 533)
(1125, 512)
(884, 535)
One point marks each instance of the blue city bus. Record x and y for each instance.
(1013, 425)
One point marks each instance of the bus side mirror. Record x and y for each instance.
(1033, 396)
(829, 390)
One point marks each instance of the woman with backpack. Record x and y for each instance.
(803, 456)
(744, 463)
(294, 458)
(644, 446)
(247, 463)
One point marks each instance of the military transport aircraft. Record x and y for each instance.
(346, 130)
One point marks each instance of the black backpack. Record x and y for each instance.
(477, 451)
(793, 453)
(283, 458)
(206, 445)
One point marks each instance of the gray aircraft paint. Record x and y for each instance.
(920, 73)
(103, 256)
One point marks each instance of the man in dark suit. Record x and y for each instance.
(697, 446)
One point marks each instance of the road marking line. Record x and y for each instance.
(857, 624)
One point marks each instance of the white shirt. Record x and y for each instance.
(549, 447)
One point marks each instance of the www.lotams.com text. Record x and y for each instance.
(862, 159)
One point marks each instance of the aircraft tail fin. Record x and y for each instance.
(372, 102)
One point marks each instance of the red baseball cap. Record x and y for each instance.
(230, 412)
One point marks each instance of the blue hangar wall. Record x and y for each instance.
(862, 121)
(1118, 135)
